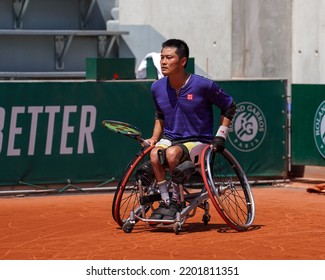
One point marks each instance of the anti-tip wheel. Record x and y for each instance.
(206, 219)
(127, 227)
(177, 228)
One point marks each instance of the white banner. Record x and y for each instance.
(161, 270)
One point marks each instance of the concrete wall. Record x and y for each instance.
(238, 38)
(308, 42)
(51, 14)
(227, 38)
(204, 25)
(261, 41)
(28, 54)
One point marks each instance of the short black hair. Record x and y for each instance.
(182, 49)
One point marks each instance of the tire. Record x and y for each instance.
(127, 227)
(127, 196)
(228, 188)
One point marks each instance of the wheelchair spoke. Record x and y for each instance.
(129, 201)
(229, 190)
(127, 196)
(235, 204)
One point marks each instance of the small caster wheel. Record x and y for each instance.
(177, 227)
(206, 219)
(127, 227)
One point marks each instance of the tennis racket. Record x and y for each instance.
(124, 129)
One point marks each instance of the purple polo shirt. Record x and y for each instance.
(190, 115)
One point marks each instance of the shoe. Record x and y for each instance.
(159, 212)
(174, 208)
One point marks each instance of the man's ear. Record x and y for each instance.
(184, 61)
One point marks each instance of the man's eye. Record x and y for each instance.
(168, 57)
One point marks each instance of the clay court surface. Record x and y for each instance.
(289, 224)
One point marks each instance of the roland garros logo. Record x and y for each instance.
(248, 127)
(319, 129)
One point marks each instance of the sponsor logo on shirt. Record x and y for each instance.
(190, 96)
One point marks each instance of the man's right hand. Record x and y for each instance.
(218, 144)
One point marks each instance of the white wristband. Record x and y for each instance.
(223, 131)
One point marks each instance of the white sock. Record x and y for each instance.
(176, 194)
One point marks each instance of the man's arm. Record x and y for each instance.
(222, 133)
(225, 121)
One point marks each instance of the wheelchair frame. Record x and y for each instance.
(223, 181)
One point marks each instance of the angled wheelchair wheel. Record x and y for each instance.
(228, 188)
(127, 195)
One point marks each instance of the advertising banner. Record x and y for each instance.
(51, 132)
(257, 136)
(308, 125)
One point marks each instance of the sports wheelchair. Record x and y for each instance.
(210, 176)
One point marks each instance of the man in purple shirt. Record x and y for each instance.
(184, 119)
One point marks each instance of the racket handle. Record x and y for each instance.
(142, 141)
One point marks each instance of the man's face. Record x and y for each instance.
(170, 62)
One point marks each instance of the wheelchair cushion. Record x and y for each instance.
(182, 172)
(145, 174)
